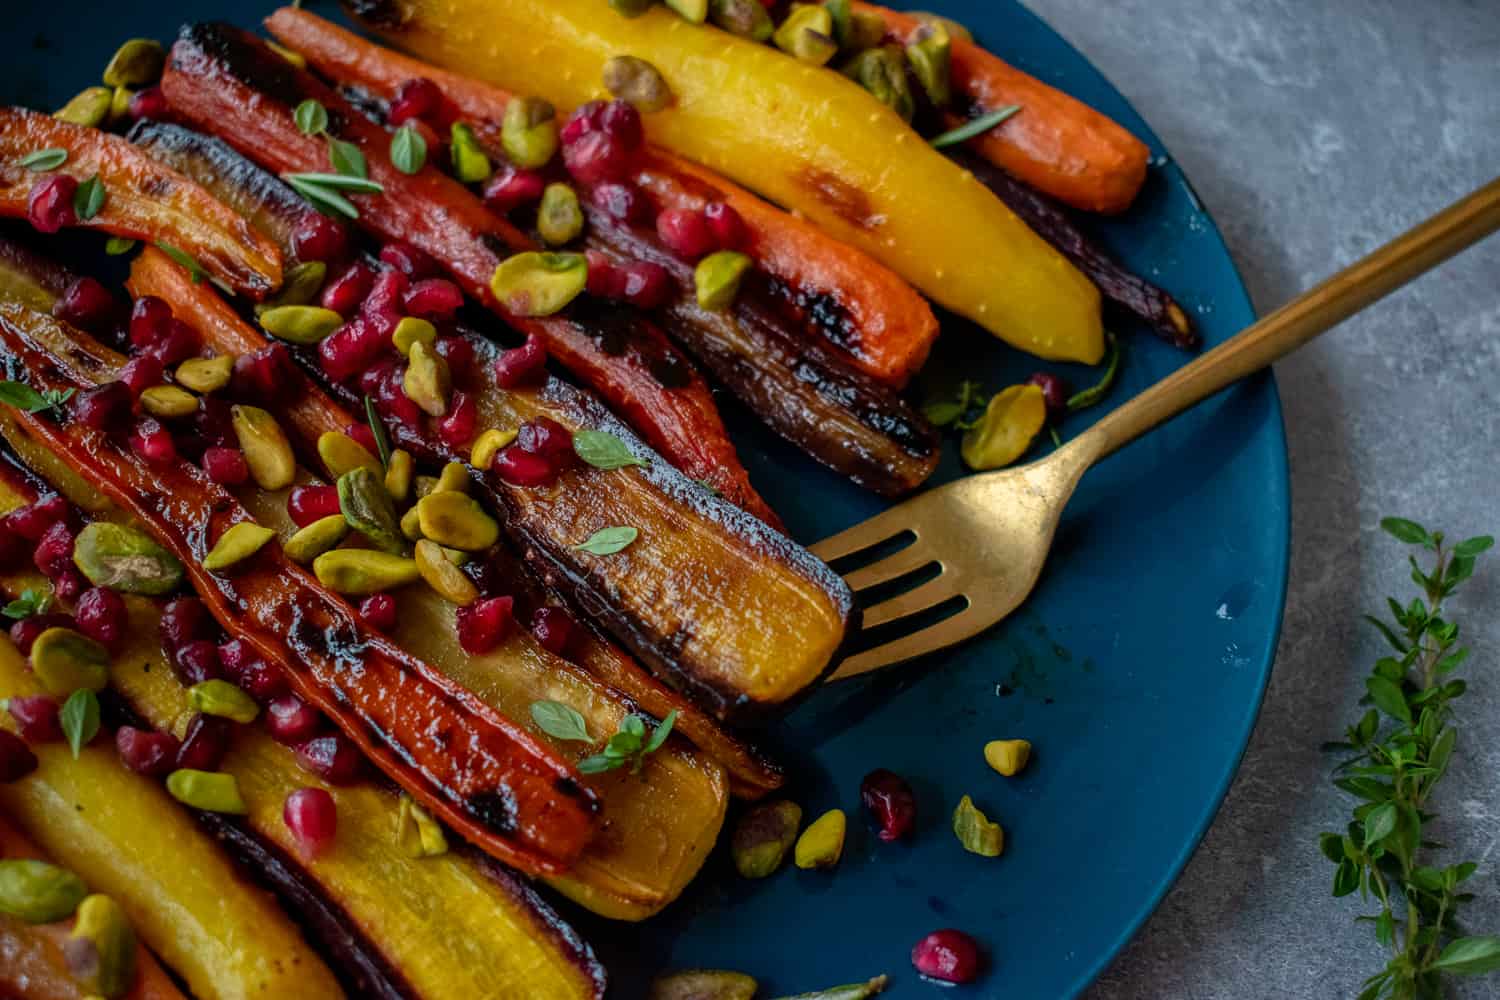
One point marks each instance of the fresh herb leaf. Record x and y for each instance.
(79, 718)
(193, 267)
(89, 198)
(970, 129)
(604, 450)
(710, 487)
(44, 159)
(115, 246)
(337, 182)
(311, 117)
(942, 412)
(1470, 956)
(347, 160)
(1403, 530)
(377, 429)
(560, 721)
(322, 198)
(630, 745)
(608, 541)
(24, 397)
(660, 734)
(408, 150)
(1085, 398)
(31, 602)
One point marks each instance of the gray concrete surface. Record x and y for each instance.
(1315, 129)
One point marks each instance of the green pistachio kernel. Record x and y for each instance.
(528, 132)
(640, 83)
(411, 524)
(539, 284)
(368, 508)
(267, 451)
(423, 485)
(340, 453)
(470, 164)
(703, 984)
(417, 833)
(315, 539)
(954, 28)
(717, 278)
(36, 892)
(119, 104)
(866, 30)
(101, 947)
(822, 843)
(409, 331)
(136, 63)
(807, 34)
(398, 473)
(427, 381)
(300, 324)
(558, 218)
(292, 56)
(975, 830)
(206, 374)
(695, 11)
(89, 108)
(168, 402)
(455, 478)
(238, 543)
(221, 698)
(299, 287)
(124, 559)
(65, 661)
(930, 52)
(442, 576)
(745, 18)
(211, 791)
(764, 836)
(457, 521)
(849, 991)
(1011, 421)
(631, 8)
(488, 444)
(359, 572)
(882, 72)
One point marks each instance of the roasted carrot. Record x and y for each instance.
(1056, 143)
(863, 308)
(226, 82)
(143, 200)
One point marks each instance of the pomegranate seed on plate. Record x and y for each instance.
(68, 584)
(85, 304)
(621, 121)
(408, 260)
(948, 956)
(482, 624)
(101, 615)
(520, 365)
(307, 504)
(177, 342)
(511, 187)
(148, 319)
(1054, 391)
(24, 632)
(646, 285)
(623, 202)
(458, 352)
(236, 655)
(584, 119)
(433, 298)
(520, 467)
(349, 288)
(150, 103)
(104, 406)
(153, 442)
(312, 816)
(205, 743)
(37, 717)
(332, 757)
(553, 628)
(686, 233)
(394, 404)
(291, 721)
(141, 373)
(378, 611)
(545, 436)
(364, 435)
(262, 681)
(264, 375)
(597, 157)
(50, 207)
(456, 428)
(16, 758)
(184, 619)
(146, 752)
(226, 466)
(890, 800)
(317, 237)
(198, 661)
(54, 552)
(32, 521)
(730, 231)
(416, 98)
(606, 279)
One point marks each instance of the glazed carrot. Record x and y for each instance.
(882, 324)
(226, 82)
(143, 200)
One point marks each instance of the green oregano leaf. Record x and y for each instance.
(115, 246)
(44, 159)
(194, 268)
(89, 198)
(604, 450)
(31, 602)
(942, 412)
(346, 158)
(311, 117)
(608, 541)
(1405, 531)
(560, 721)
(659, 736)
(408, 150)
(79, 718)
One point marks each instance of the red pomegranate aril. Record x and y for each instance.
(103, 407)
(890, 800)
(198, 661)
(292, 721)
(141, 373)
(365, 435)
(346, 291)
(37, 717)
(583, 120)
(553, 629)
(148, 318)
(101, 615)
(371, 378)
(205, 743)
(146, 752)
(184, 619)
(949, 956)
(24, 632)
(606, 279)
(482, 624)
(313, 818)
(729, 229)
(521, 365)
(394, 404)
(150, 103)
(1054, 392)
(511, 187)
(433, 298)
(546, 437)
(307, 504)
(262, 681)
(50, 207)
(458, 352)
(226, 466)
(236, 655)
(685, 232)
(598, 157)
(16, 758)
(317, 237)
(521, 468)
(67, 585)
(622, 202)
(378, 611)
(178, 342)
(85, 304)
(54, 552)
(621, 121)
(646, 285)
(339, 354)
(32, 521)
(333, 758)
(263, 376)
(153, 442)
(458, 424)
(408, 260)
(416, 98)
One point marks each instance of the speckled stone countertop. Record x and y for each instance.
(1313, 130)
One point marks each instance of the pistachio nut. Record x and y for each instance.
(637, 81)
(136, 63)
(954, 28)
(559, 218)
(315, 539)
(975, 830)
(717, 278)
(101, 947)
(882, 72)
(168, 402)
(822, 843)
(470, 164)
(535, 283)
(631, 8)
(695, 11)
(398, 472)
(807, 34)
(211, 791)
(1013, 418)
(65, 661)
(457, 521)
(457, 557)
(423, 485)
(36, 892)
(488, 445)
(340, 453)
(411, 524)
(745, 18)
(221, 698)
(238, 543)
(125, 559)
(929, 52)
(866, 30)
(292, 56)
(427, 381)
(528, 132)
(417, 833)
(206, 374)
(368, 508)
(359, 572)
(442, 576)
(1008, 757)
(119, 104)
(267, 451)
(409, 331)
(89, 107)
(849, 991)
(300, 285)
(764, 836)
(455, 479)
(703, 984)
(300, 324)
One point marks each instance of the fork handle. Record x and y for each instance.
(1315, 311)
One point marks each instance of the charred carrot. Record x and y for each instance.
(139, 198)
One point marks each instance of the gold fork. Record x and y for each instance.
(989, 534)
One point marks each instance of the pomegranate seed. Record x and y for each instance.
(546, 437)
(1054, 391)
(14, 550)
(177, 342)
(16, 758)
(433, 298)
(622, 122)
(521, 468)
(371, 377)
(685, 232)
(148, 319)
(86, 304)
(262, 376)
(198, 661)
(103, 407)
(521, 365)
(141, 373)
(511, 187)
(36, 717)
(365, 436)
(458, 352)
(457, 426)
(646, 285)
(152, 442)
(24, 632)
(307, 504)
(597, 157)
(583, 120)
(292, 721)
(54, 553)
(214, 422)
(67, 585)
(332, 758)
(236, 655)
(553, 628)
(346, 291)
(32, 521)
(312, 817)
(205, 743)
(889, 798)
(416, 98)
(345, 351)
(262, 681)
(378, 611)
(948, 956)
(622, 202)
(482, 624)
(101, 615)
(317, 237)
(606, 280)
(50, 207)
(408, 260)
(184, 619)
(729, 228)
(150, 103)
(394, 404)
(147, 752)
(226, 466)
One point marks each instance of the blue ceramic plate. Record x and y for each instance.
(1136, 669)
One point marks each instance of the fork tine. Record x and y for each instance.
(871, 531)
(913, 557)
(945, 633)
(933, 592)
